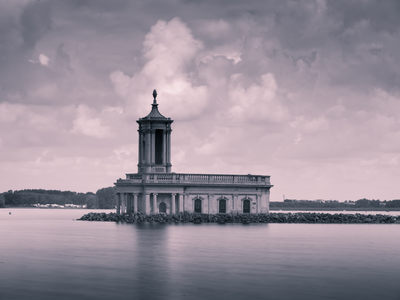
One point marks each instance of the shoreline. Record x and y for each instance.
(334, 209)
(272, 209)
(304, 218)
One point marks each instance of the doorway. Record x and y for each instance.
(197, 206)
(222, 206)
(162, 207)
(246, 206)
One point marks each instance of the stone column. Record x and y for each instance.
(146, 154)
(140, 148)
(164, 156)
(122, 203)
(147, 148)
(130, 198)
(188, 204)
(118, 203)
(265, 197)
(204, 205)
(169, 147)
(128, 204)
(168, 150)
(155, 206)
(135, 203)
(235, 203)
(153, 147)
(147, 204)
(211, 204)
(173, 209)
(180, 203)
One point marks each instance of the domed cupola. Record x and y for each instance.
(154, 141)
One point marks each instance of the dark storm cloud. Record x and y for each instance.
(35, 22)
(312, 86)
(383, 15)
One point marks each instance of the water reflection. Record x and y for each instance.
(151, 271)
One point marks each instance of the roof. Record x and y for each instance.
(154, 113)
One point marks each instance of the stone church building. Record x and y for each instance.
(155, 189)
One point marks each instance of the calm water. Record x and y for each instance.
(46, 254)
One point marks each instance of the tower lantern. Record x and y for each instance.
(154, 141)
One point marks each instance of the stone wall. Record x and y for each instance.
(182, 199)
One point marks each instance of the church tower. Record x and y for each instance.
(154, 141)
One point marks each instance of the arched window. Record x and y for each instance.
(246, 206)
(222, 206)
(163, 207)
(197, 206)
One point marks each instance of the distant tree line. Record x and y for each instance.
(104, 198)
(334, 204)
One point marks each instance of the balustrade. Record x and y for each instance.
(180, 178)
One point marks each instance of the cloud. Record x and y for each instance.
(86, 123)
(10, 112)
(63, 59)
(310, 125)
(169, 46)
(257, 102)
(44, 60)
(36, 22)
(169, 50)
(306, 91)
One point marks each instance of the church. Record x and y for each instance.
(156, 189)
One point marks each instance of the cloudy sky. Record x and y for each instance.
(305, 91)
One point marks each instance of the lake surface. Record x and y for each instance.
(47, 254)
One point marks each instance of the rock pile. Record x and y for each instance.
(318, 218)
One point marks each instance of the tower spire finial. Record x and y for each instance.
(154, 96)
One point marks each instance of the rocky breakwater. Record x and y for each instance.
(307, 218)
